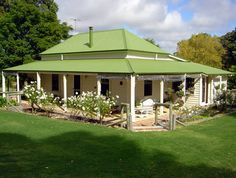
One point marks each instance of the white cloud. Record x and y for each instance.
(150, 18)
(212, 15)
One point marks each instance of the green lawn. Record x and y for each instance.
(32, 146)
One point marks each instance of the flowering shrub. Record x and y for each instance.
(224, 98)
(48, 102)
(40, 98)
(196, 112)
(104, 105)
(89, 104)
(32, 94)
(188, 112)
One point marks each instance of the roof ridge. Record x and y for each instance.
(98, 31)
(129, 65)
(124, 38)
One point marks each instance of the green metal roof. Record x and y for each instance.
(173, 67)
(110, 40)
(82, 66)
(118, 66)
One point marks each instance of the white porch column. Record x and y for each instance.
(212, 90)
(184, 88)
(209, 91)
(18, 86)
(132, 97)
(65, 87)
(200, 90)
(38, 80)
(3, 84)
(99, 86)
(161, 96)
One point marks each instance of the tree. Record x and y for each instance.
(229, 43)
(151, 40)
(202, 48)
(4, 6)
(28, 27)
(229, 58)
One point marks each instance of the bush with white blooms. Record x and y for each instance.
(40, 98)
(89, 104)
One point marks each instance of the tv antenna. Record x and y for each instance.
(75, 23)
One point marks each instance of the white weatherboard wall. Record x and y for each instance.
(139, 90)
(70, 85)
(47, 82)
(88, 83)
(119, 87)
(193, 99)
(155, 90)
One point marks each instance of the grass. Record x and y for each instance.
(32, 146)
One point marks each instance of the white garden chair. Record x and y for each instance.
(145, 108)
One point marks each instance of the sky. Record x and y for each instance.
(166, 21)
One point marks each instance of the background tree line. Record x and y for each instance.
(28, 27)
(219, 52)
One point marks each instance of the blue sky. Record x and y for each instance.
(166, 21)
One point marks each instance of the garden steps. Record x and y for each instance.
(15, 108)
(148, 128)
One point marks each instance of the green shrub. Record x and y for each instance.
(3, 101)
(13, 102)
(198, 117)
(223, 99)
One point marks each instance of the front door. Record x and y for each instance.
(76, 84)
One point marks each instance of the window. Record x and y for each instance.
(105, 87)
(76, 85)
(147, 87)
(175, 86)
(55, 82)
(189, 83)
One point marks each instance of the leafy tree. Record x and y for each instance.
(4, 6)
(229, 43)
(151, 40)
(229, 58)
(202, 48)
(28, 27)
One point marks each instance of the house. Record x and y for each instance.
(122, 63)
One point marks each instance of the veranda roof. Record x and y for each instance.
(117, 66)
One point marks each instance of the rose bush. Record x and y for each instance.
(89, 104)
(40, 98)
